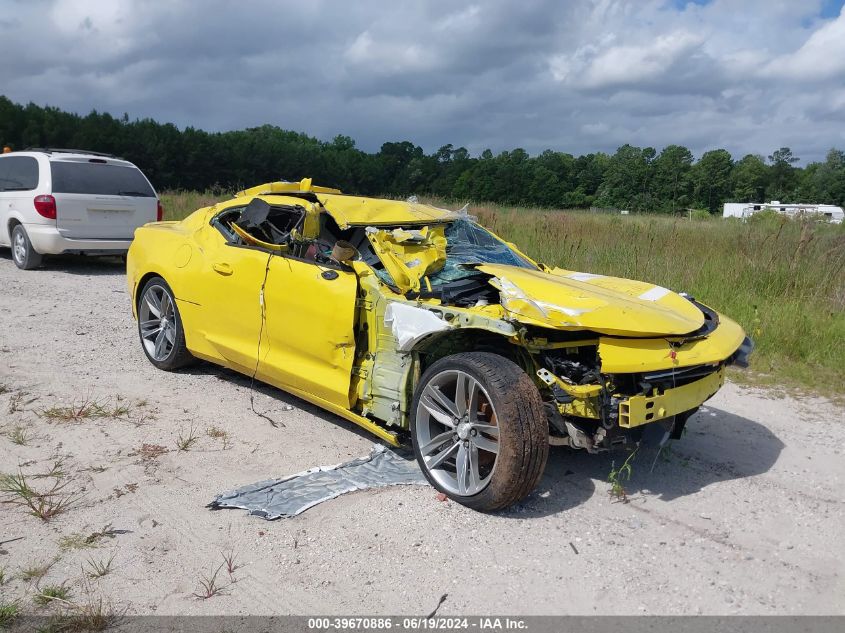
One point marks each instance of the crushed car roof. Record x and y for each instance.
(355, 210)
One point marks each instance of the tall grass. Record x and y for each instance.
(782, 280)
(179, 204)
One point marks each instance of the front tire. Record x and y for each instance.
(479, 430)
(23, 254)
(160, 327)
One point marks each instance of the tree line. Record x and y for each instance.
(634, 178)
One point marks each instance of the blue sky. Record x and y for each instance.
(831, 8)
(576, 76)
(828, 8)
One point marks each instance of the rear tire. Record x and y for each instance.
(160, 327)
(23, 254)
(479, 430)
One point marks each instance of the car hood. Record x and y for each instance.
(565, 299)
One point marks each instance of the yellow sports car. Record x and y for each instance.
(414, 321)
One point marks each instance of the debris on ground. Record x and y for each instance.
(291, 495)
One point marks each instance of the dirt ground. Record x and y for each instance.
(744, 515)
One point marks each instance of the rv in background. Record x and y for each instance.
(747, 209)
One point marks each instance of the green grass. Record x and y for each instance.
(51, 593)
(178, 204)
(85, 408)
(19, 435)
(35, 571)
(9, 612)
(46, 504)
(782, 280)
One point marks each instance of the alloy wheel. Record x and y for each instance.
(157, 322)
(457, 432)
(19, 247)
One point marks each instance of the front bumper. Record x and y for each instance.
(47, 240)
(633, 355)
(639, 410)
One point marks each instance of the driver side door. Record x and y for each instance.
(310, 344)
(228, 286)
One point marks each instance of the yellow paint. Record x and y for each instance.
(608, 305)
(254, 241)
(284, 187)
(581, 408)
(409, 255)
(639, 410)
(353, 211)
(627, 355)
(310, 338)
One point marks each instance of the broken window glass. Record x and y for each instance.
(458, 282)
(468, 243)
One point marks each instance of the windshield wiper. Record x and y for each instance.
(141, 194)
(15, 189)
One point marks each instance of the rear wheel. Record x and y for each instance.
(160, 327)
(479, 430)
(25, 257)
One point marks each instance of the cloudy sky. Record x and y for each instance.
(576, 76)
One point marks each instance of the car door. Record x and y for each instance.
(19, 179)
(5, 204)
(310, 319)
(227, 286)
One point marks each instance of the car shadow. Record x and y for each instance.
(76, 264)
(717, 446)
(282, 398)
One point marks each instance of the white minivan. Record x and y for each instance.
(55, 201)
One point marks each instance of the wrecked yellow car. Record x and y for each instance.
(416, 323)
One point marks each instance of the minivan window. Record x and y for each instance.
(18, 173)
(99, 179)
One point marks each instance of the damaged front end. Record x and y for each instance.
(605, 391)
(608, 355)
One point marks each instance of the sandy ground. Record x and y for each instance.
(744, 515)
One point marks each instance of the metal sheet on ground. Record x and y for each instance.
(291, 495)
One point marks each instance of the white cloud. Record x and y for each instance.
(385, 56)
(578, 76)
(361, 49)
(623, 65)
(460, 20)
(822, 57)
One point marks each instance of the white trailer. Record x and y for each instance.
(747, 209)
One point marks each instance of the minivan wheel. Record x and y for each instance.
(160, 327)
(479, 430)
(24, 256)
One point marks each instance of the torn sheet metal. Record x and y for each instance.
(409, 324)
(408, 255)
(291, 495)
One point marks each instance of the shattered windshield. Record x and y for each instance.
(468, 243)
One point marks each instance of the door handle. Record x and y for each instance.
(223, 268)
